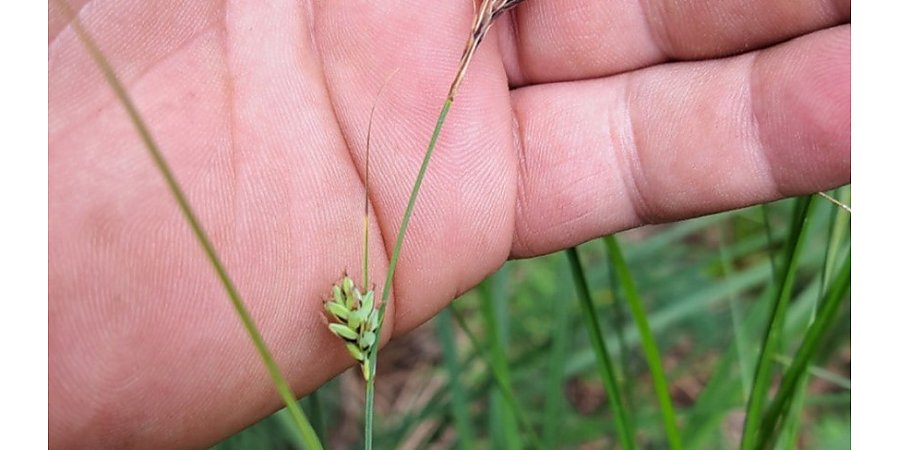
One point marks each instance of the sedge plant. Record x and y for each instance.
(358, 320)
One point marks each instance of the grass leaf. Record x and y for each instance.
(621, 417)
(651, 351)
(763, 373)
(306, 431)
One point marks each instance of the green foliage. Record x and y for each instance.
(707, 286)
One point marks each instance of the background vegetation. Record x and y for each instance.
(512, 363)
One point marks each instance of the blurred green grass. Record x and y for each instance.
(706, 287)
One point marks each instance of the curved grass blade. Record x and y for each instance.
(502, 383)
(560, 348)
(651, 351)
(838, 228)
(502, 420)
(458, 397)
(812, 343)
(491, 9)
(369, 414)
(737, 319)
(624, 426)
(392, 267)
(763, 373)
(306, 431)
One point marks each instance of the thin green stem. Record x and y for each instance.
(471, 46)
(401, 234)
(560, 349)
(307, 433)
(493, 311)
(370, 405)
(737, 319)
(395, 256)
(461, 418)
(604, 364)
(651, 351)
(763, 372)
(812, 343)
(502, 383)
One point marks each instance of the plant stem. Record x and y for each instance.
(489, 11)
(604, 363)
(812, 343)
(502, 383)
(763, 371)
(651, 351)
(305, 429)
(395, 256)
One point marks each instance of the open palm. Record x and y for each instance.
(575, 120)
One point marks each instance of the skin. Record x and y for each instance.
(576, 119)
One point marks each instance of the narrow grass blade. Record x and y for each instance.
(651, 351)
(316, 414)
(458, 397)
(505, 388)
(392, 267)
(303, 426)
(620, 322)
(812, 343)
(723, 390)
(489, 12)
(737, 320)
(820, 373)
(838, 228)
(493, 314)
(624, 427)
(839, 235)
(554, 394)
(763, 372)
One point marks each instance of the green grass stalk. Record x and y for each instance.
(489, 11)
(763, 373)
(621, 417)
(651, 351)
(306, 431)
(461, 417)
(504, 433)
(812, 343)
(502, 383)
(560, 343)
(737, 318)
(392, 267)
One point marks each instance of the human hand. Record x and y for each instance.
(262, 112)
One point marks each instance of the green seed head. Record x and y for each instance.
(337, 295)
(348, 289)
(343, 331)
(355, 352)
(367, 304)
(338, 311)
(355, 319)
(366, 369)
(366, 341)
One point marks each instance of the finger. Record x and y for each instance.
(461, 227)
(681, 140)
(575, 39)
